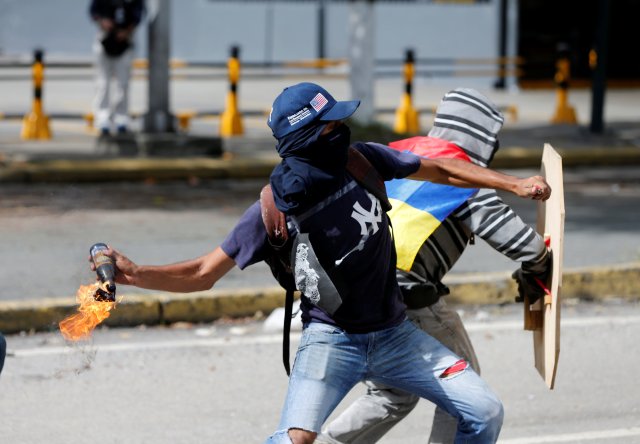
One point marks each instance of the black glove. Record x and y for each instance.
(527, 285)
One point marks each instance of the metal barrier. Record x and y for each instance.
(36, 123)
(433, 67)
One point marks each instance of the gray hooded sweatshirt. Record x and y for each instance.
(471, 121)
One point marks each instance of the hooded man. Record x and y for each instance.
(469, 122)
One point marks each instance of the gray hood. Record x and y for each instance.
(471, 121)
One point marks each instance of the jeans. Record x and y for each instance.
(382, 407)
(330, 362)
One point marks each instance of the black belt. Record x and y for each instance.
(423, 295)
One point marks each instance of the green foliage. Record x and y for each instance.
(374, 132)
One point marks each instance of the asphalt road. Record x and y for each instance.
(46, 229)
(224, 383)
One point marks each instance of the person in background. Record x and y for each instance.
(116, 21)
(474, 130)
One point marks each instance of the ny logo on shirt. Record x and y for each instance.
(370, 219)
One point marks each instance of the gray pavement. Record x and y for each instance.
(224, 382)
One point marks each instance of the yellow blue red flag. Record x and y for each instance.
(420, 207)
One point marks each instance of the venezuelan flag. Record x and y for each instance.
(420, 207)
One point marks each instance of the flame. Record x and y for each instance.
(90, 314)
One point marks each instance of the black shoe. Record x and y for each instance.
(104, 132)
(122, 129)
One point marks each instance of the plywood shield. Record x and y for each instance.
(543, 317)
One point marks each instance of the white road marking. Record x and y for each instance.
(564, 323)
(575, 437)
(225, 341)
(232, 341)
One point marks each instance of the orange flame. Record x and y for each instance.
(91, 313)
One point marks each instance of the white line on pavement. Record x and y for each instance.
(565, 323)
(575, 437)
(227, 341)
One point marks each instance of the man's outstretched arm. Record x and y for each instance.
(192, 275)
(467, 175)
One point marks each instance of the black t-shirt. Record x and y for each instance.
(347, 230)
(124, 13)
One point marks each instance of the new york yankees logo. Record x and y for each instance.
(370, 219)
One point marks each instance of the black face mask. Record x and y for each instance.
(338, 138)
(333, 146)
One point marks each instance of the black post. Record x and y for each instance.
(598, 86)
(38, 57)
(234, 77)
(502, 48)
(408, 81)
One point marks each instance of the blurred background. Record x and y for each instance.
(269, 32)
(503, 46)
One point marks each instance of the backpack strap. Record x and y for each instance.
(367, 176)
(275, 224)
(286, 329)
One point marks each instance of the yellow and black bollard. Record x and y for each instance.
(406, 114)
(231, 120)
(35, 125)
(564, 113)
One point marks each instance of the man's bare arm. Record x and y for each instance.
(192, 275)
(467, 175)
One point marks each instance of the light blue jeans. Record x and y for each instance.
(381, 408)
(330, 362)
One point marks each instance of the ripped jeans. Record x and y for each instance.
(330, 362)
(381, 408)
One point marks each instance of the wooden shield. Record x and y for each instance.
(543, 317)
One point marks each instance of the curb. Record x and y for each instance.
(598, 283)
(520, 157)
(240, 167)
(129, 169)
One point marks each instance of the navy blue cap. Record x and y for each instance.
(299, 105)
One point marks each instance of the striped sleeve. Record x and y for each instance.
(490, 218)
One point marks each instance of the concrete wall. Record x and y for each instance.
(203, 30)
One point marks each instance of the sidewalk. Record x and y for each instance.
(75, 155)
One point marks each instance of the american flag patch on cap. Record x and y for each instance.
(318, 102)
